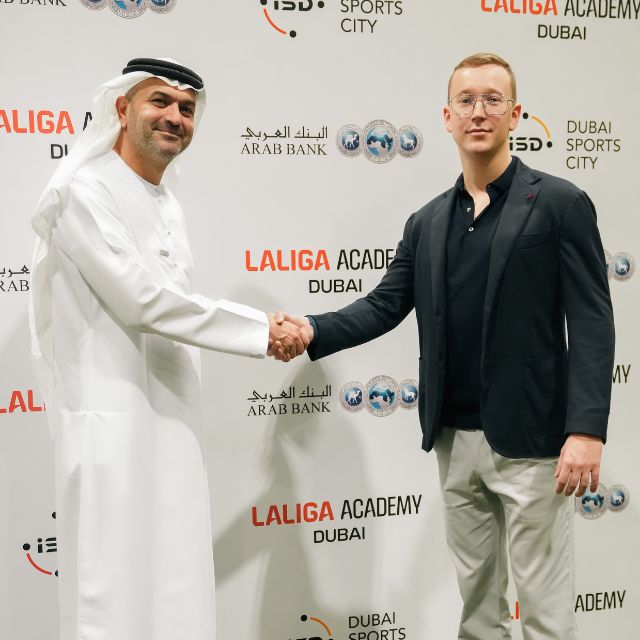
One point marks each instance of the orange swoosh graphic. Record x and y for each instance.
(30, 559)
(326, 628)
(271, 22)
(543, 124)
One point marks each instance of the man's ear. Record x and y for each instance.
(122, 106)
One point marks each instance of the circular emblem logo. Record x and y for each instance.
(618, 497)
(94, 4)
(161, 6)
(380, 141)
(409, 141)
(593, 505)
(623, 266)
(128, 8)
(349, 140)
(408, 394)
(382, 396)
(352, 396)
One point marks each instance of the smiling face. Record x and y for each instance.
(481, 135)
(157, 121)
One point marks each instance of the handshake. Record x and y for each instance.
(289, 336)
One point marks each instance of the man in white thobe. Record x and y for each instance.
(116, 332)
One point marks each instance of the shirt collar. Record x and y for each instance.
(501, 183)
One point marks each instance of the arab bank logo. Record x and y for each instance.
(352, 396)
(408, 394)
(131, 8)
(592, 505)
(287, 5)
(618, 497)
(42, 546)
(379, 141)
(382, 396)
(622, 266)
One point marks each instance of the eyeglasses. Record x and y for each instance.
(494, 104)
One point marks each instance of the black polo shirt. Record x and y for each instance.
(467, 268)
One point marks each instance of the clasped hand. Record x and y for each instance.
(289, 336)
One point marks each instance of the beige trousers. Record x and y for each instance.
(491, 501)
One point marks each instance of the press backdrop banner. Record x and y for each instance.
(323, 133)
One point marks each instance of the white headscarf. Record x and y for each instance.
(99, 137)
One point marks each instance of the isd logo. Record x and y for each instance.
(622, 266)
(46, 545)
(288, 5)
(320, 627)
(408, 394)
(532, 143)
(382, 396)
(352, 396)
(618, 497)
(379, 141)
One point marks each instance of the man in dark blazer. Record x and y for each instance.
(507, 274)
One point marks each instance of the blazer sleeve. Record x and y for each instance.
(378, 312)
(589, 315)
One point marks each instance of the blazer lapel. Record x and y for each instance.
(437, 248)
(520, 201)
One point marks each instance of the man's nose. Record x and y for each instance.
(483, 112)
(172, 113)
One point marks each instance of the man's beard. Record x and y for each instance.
(148, 146)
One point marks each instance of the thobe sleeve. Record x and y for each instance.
(103, 250)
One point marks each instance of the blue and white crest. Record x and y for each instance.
(128, 8)
(380, 141)
(410, 141)
(623, 266)
(161, 6)
(352, 396)
(349, 140)
(382, 396)
(94, 4)
(618, 497)
(408, 394)
(593, 505)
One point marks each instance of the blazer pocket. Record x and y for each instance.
(533, 239)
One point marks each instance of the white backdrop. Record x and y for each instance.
(265, 174)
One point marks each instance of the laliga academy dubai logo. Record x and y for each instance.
(593, 505)
(379, 141)
(381, 396)
(131, 8)
(42, 546)
(620, 266)
(287, 5)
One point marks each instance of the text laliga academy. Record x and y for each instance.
(43, 121)
(354, 509)
(607, 9)
(318, 260)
